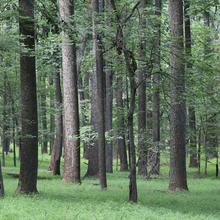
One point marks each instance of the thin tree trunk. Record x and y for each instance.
(192, 115)
(100, 95)
(44, 149)
(199, 153)
(156, 90)
(71, 172)
(29, 139)
(93, 170)
(108, 112)
(58, 142)
(1, 183)
(52, 119)
(142, 71)
(178, 180)
(121, 126)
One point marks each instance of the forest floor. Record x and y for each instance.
(87, 202)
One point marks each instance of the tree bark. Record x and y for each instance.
(100, 95)
(58, 142)
(1, 183)
(121, 126)
(93, 170)
(44, 149)
(142, 71)
(192, 115)
(178, 179)
(156, 90)
(29, 122)
(71, 172)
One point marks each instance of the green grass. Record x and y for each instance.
(88, 202)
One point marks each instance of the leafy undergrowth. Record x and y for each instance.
(88, 202)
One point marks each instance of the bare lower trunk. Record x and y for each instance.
(58, 142)
(97, 7)
(121, 126)
(108, 117)
(1, 183)
(156, 91)
(29, 122)
(192, 116)
(142, 71)
(71, 172)
(178, 179)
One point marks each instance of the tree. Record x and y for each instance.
(178, 179)
(192, 115)
(100, 93)
(58, 142)
(121, 125)
(71, 172)
(1, 183)
(142, 71)
(156, 88)
(29, 122)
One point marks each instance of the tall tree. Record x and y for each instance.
(142, 71)
(71, 172)
(178, 179)
(29, 122)
(100, 93)
(131, 66)
(156, 90)
(108, 101)
(192, 114)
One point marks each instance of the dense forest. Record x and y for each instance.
(113, 86)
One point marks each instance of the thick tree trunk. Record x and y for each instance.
(192, 115)
(178, 179)
(71, 172)
(29, 123)
(142, 71)
(121, 126)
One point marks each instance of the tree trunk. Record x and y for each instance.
(29, 123)
(178, 179)
(108, 112)
(192, 115)
(100, 95)
(52, 119)
(1, 183)
(71, 172)
(5, 127)
(142, 71)
(93, 170)
(44, 149)
(121, 126)
(156, 91)
(58, 142)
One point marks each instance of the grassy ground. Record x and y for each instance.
(88, 202)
